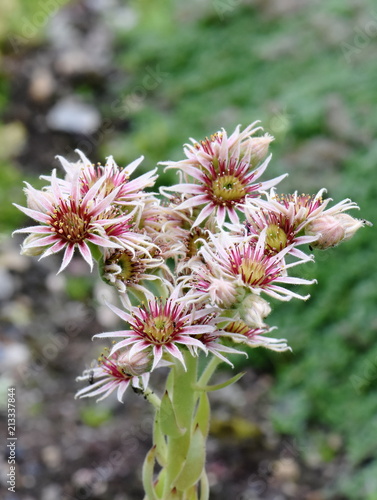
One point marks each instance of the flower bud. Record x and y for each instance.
(258, 146)
(222, 292)
(32, 251)
(351, 225)
(328, 229)
(137, 364)
(35, 198)
(254, 310)
(333, 229)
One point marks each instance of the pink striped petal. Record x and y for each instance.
(93, 191)
(34, 229)
(220, 217)
(59, 245)
(132, 166)
(268, 184)
(86, 253)
(119, 312)
(157, 355)
(197, 329)
(111, 388)
(122, 389)
(174, 351)
(122, 343)
(58, 195)
(194, 201)
(34, 214)
(185, 339)
(121, 333)
(41, 242)
(260, 170)
(103, 242)
(68, 254)
(206, 212)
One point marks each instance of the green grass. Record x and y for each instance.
(285, 71)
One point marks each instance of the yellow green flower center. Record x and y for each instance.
(276, 238)
(228, 189)
(193, 245)
(239, 327)
(127, 266)
(159, 329)
(70, 226)
(253, 273)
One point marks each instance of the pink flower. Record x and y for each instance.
(299, 209)
(70, 220)
(114, 372)
(246, 265)
(114, 177)
(161, 325)
(237, 144)
(224, 175)
(281, 229)
(255, 337)
(130, 272)
(212, 343)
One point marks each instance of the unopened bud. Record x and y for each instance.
(351, 225)
(32, 251)
(34, 197)
(254, 310)
(222, 292)
(258, 146)
(333, 229)
(135, 365)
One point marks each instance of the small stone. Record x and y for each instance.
(335, 441)
(56, 283)
(51, 456)
(7, 287)
(18, 311)
(12, 139)
(51, 492)
(28, 481)
(314, 495)
(10, 257)
(42, 85)
(286, 469)
(91, 480)
(13, 356)
(73, 116)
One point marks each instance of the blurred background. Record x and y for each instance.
(139, 77)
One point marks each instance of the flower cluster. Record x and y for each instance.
(195, 265)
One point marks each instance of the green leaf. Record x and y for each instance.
(148, 470)
(203, 414)
(160, 483)
(204, 486)
(194, 464)
(217, 387)
(159, 441)
(167, 418)
(192, 494)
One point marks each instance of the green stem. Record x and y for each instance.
(209, 371)
(183, 399)
(204, 487)
(152, 398)
(181, 428)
